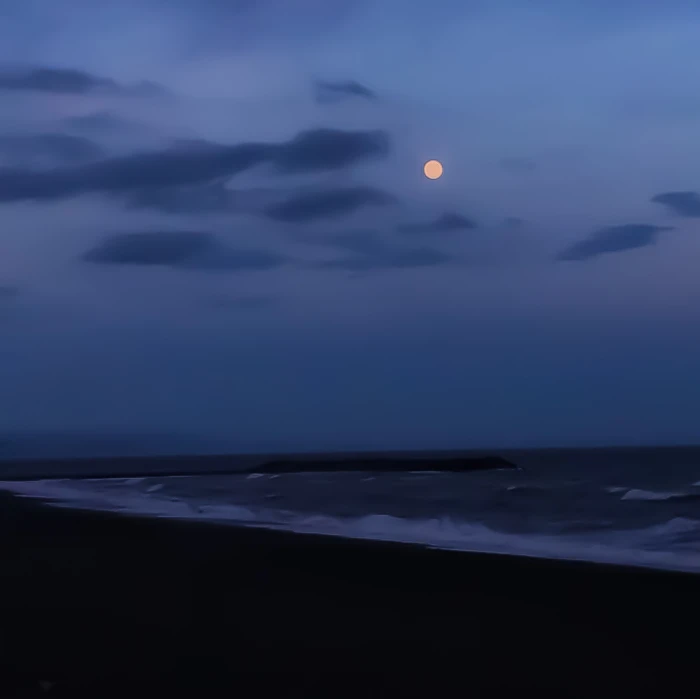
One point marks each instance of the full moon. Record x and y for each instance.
(433, 169)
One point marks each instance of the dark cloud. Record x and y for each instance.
(48, 149)
(169, 248)
(54, 80)
(330, 92)
(210, 198)
(73, 82)
(173, 167)
(328, 203)
(518, 165)
(514, 222)
(685, 204)
(179, 249)
(613, 239)
(446, 223)
(169, 168)
(182, 166)
(330, 149)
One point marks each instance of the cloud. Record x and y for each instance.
(330, 149)
(514, 222)
(328, 203)
(170, 248)
(48, 149)
(685, 204)
(173, 167)
(54, 80)
(518, 165)
(330, 92)
(184, 164)
(179, 249)
(613, 239)
(71, 82)
(446, 223)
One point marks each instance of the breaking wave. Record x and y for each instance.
(653, 496)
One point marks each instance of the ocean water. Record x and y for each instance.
(628, 506)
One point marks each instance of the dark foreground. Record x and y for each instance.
(108, 606)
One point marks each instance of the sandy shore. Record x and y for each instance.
(111, 603)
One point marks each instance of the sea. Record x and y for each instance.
(629, 506)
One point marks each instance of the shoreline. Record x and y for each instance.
(93, 595)
(290, 530)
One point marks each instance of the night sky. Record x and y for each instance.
(214, 221)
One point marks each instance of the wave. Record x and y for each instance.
(531, 489)
(651, 495)
(673, 545)
(675, 529)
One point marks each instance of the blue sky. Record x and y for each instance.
(198, 237)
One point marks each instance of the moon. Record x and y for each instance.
(433, 169)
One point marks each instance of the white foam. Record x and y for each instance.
(625, 548)
(636, 494)
(75, 494)
(648, 547)
(529, 488)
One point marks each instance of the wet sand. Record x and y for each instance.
(105, 605)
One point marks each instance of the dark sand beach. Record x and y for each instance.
(103, 604)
